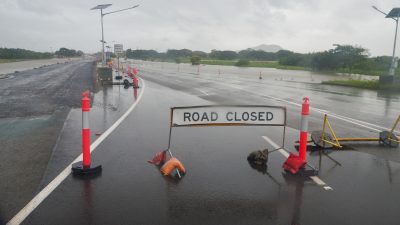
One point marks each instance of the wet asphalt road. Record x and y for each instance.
(33, 107)
(220, 186)
(10, 68)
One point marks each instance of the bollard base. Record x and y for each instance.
(79, 169)
(293, 164)
(307, 172)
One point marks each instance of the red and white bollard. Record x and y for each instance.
(85, 166)
(305, 112)
(294, 163)
(135, 80)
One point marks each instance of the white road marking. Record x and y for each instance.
(327, 188)
(275, 146)
(317, 180)
(43, 194)
(285, 153)
(205, 93)
(344, 118)
(360, 123)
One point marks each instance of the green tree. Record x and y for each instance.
(344, 58)
(173, 53)
(195, 60)
(242, 62)
(223, 55)
(65, 52)
(17, 53)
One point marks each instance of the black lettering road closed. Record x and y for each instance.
(228, 115)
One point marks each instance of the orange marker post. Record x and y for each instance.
(85, 166)
(305, 112)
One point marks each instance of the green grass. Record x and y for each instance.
(11, 60)
(219, 62)
(365, 84)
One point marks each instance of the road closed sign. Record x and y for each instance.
(226, 115)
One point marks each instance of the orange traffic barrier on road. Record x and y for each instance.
(170, 165)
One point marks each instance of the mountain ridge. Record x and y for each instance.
(267, 48)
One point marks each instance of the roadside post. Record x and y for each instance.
(305, 112)
(85, 166)
(296, 163)
(135, 80)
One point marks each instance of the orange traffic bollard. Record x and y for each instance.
(85, 167)
(305, 112)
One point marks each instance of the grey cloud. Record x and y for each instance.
(299, 25)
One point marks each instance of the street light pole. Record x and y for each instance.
(393, 66)
(103, 58)
(101, 7)
(393, 14)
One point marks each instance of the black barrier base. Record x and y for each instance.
(303, 172)
(78, 169)
(307, 172)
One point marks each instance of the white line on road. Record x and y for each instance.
(285, 153)
(344, 118)
(318, 181)
(43, 194)
(205, 93)
(370, 126)
(275, 146)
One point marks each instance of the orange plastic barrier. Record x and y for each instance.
(170, 165)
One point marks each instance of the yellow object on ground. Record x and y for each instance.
(170, 165)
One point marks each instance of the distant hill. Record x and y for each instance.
(268, 48)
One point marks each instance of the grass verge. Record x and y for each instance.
(11, 60)
(365, 84)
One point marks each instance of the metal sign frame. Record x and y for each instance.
(226, 124)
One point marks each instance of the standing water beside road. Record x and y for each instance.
(252, 72)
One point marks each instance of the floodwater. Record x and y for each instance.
(266, 73)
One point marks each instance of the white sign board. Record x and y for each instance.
(118, 49)
(214, 115)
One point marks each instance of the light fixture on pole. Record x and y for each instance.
(393, 14)
(101, 7)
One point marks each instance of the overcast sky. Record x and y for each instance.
(297, 25)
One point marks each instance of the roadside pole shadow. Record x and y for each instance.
(88, 201)
(298, 183)
(2, 219)
(263, 169)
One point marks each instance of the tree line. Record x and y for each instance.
(65, 52)
(341, 58)
(18, 53)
